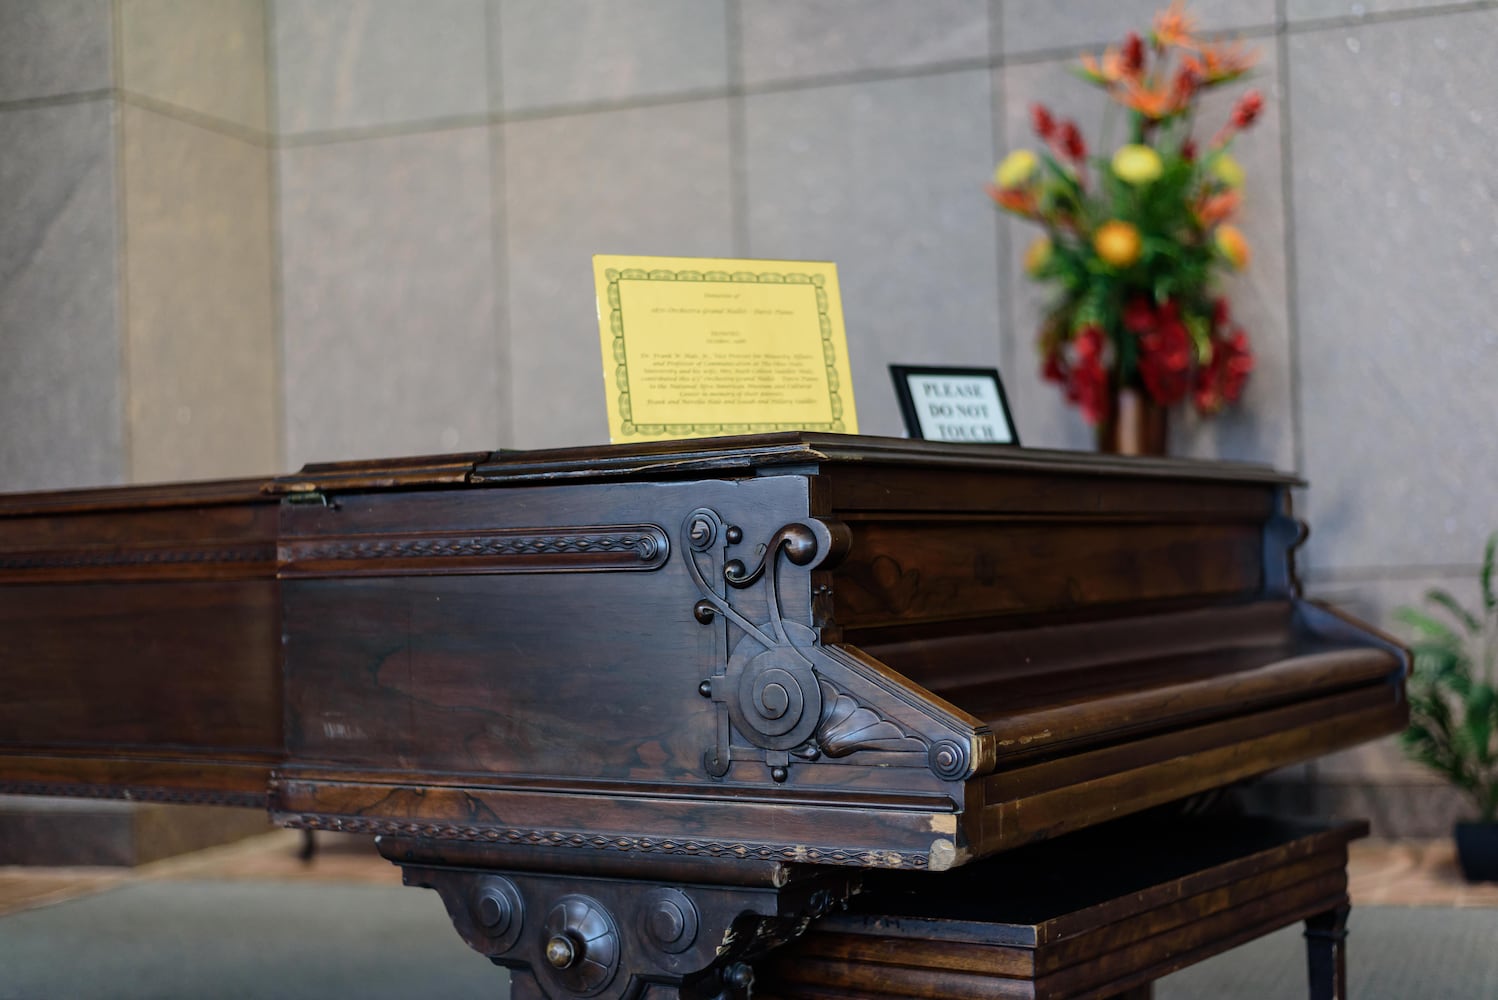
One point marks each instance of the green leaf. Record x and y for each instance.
(1489, 601)
(1461, 614)
(1433, 628)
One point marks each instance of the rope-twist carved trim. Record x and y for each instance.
(88, 558)
(179, 796)
(645, 546)
(602, 842)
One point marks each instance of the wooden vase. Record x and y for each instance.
(1134, 424)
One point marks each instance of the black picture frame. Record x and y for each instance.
(913, 387)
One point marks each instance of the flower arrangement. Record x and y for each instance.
(1133, 242)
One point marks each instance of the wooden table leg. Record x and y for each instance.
(1326, 953)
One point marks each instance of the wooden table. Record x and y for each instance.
(1098, 914)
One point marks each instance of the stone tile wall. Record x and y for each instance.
(245, 234)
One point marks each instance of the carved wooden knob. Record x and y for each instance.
(668, 918)
(561, 952)
(582, 945)
(498, 911)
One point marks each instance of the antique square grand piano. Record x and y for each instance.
(640, 714)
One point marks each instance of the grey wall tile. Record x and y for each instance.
(1260, 428)
(61, 418)
(643, 181)
(204, 387)
(1043, 25)
(388, 297)
(208, 56)
(886, 179)
(1313, 10)
(53, 47)
(1397, 244)
(565, 52)
(367, 63)
(788, 39)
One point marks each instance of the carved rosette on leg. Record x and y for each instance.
(781, 689)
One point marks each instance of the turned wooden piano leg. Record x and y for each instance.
(1326, 953)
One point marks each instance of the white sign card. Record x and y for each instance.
(954, 404)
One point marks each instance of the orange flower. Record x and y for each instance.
(1016, 200)
(1116, 67)
(1214, 64)
(1174, 28)
(1155, 103)
(1215, 208)
(1117, 243)
(1233, 247)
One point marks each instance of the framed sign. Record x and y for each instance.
(954, 404)
(694, 347)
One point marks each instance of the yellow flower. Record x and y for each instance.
(1018, 167)
(1137, 164)
(1227, 170)
(1233, 247)
(1038, 255)
(1117, 243)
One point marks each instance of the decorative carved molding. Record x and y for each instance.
(772, 687)
(105, 563)
(847, 727)
(645, 845)
(512, 550)
(181, 796)
(579, 936)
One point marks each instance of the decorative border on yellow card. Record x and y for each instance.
(628, 427)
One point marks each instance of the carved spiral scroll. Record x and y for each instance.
(799, 543)
(777, 701)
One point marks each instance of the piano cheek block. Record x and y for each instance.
(563, 686)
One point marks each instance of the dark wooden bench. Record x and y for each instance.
(1098, 914)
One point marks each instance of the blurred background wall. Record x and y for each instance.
(240, 235)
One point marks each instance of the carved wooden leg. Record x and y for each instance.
(606, 936)
(1326, 953)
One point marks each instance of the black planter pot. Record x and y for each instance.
(1477, 851)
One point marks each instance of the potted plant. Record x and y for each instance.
(1133, 241)
(1453, 711)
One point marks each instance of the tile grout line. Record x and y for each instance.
(1287, 248)
(188, 116)
(738, 132)
(499, 229)
(273, 212)
(122, 243)
(1008, 334)
(997, 61)
(57, 100)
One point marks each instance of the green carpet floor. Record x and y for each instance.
(194, 940)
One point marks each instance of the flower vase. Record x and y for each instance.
(1133, 424)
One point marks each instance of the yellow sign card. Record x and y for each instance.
(694, 347)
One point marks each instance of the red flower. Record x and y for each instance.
(1222, 380)
(1246, 111)
(1133, 54)
(1138, 315)
(1188, 150)
(1040, 117)
(1165, 357)
(1087, 381)
(1071, 142)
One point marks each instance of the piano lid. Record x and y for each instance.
(742, 455)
